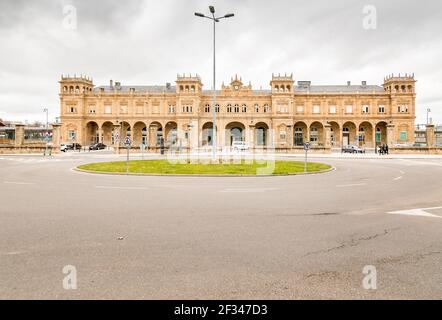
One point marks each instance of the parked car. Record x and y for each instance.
(63, 147)
(97, 146)
(352, 149)
(239, 146)
(73, 146)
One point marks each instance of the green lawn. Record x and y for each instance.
(243, 168)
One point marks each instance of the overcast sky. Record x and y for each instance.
(149, 42)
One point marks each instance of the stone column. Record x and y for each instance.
(19, 135)
(100, 135)
(56, 135)
(252, 136)
(290, 130)
(390, 135)
(327, 129)
(152, 136)
(430, 135)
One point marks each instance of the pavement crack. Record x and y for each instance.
(353, 242)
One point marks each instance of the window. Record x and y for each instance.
(283, 109)
(316, 109)
(266, 109)
(123, 109)
(332, 109)
(365, 109)
(139, 109)
(403, 136)
(107, 109)
(402, 109)
(349, 109)
(72, 134)
(229, 108)
(256, 107)
(207, 108)
(171, 109)
(72, 110)
(314, 135)
(217, 108)
(244, 108)
(236, 108)
(381, 109)
(92, 110)
(300, 109)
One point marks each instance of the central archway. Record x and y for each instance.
(261, 134)
(235, 131)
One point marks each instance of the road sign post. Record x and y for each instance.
(127, 143)
(142, 148)
(306, 148)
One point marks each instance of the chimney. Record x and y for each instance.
(118, 85)
(348, 83)
(111, 84)
(168, 86)
(364, 83)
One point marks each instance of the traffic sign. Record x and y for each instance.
(307, 146)
(127, 142)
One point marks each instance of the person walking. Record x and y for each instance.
(386, 149)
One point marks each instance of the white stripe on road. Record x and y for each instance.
(121, 188)
(417, 212)
(351, 185)
(247, 190)
(398, 178)
(20, 183)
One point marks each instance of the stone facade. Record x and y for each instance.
(284, 116)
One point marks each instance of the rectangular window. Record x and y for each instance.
(381, 109)
(123, 109)
(365, 109)
(300, 109)
(403, 136)
(156, 109)
(316, 109)
(217, 108)
(256, 108)
(72, 110)
(349, 109)
(107, 109)
(171, 109)
(139, 109)
(266, 109)
(72, 134)
(332, 109)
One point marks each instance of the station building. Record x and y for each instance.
(284, 116)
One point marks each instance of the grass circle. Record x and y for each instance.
(241, 168)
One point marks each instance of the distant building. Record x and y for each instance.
(285, 116)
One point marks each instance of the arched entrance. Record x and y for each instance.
(381, 133)
(140, 134)
(335, 134)
(108, 133)
(348, 134)
(171, 131)
(317, 134)
(300, 134)
(235, 132)
(366, 134)
(155, 134)
(92, 133)
(261, 134)
(207, 134)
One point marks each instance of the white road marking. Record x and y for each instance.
(351, 185)
(247, 190)
(121, 188)
(398, 178)
(422, 212)
(17, 182)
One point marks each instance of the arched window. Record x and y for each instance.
(236, 108)
(244, 108)
(207, 108)
(256, 108)
(229, 108)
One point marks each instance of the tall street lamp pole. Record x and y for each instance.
(215, 20)
(47, 117)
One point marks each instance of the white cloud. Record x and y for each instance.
(149, 42)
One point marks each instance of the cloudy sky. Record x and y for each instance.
(149, 42)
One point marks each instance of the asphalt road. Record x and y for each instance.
(297, 237)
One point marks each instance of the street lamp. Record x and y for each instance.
(47, 117)
(215, 20)
(428, 114)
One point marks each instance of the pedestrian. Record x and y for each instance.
(386, 149)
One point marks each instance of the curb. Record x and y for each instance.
(131, 174)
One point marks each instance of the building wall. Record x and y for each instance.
(285, 112)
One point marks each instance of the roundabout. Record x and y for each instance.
(207, 168)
